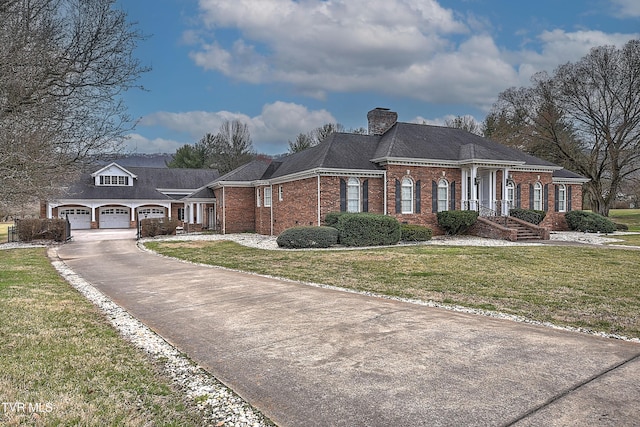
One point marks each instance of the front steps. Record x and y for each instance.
(509, 228)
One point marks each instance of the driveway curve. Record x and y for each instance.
(305, 355)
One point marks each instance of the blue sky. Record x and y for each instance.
(287, 66)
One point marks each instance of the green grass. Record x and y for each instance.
(59, 353)
(629, 217)
(597, 289)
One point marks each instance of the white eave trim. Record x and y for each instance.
(562, 180)
(99, 171)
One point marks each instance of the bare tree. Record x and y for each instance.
(467, 123)
(587, 116)
(64, 65)
(231, 147)
(316, 136)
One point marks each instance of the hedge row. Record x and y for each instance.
(42, 229)
(456, 222)
(529, 215)
(151, 227)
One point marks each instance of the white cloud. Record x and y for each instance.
(399, 48)
(270, 131)
(626, 8)
(137, 143)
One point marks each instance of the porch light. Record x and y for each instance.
(477, 181)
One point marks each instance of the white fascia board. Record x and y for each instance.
(104, 202)
(177, 190)
(570, 180)
(412, 161)
(536, 168)
(99, 171)
(220, 184)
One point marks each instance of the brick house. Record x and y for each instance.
(410, 171)
(113, 196)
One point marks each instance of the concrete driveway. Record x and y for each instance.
(307, 356)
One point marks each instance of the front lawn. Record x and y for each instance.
(592, 288)
(62, 364)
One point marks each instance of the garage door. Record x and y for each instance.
(79, 218)
(114, 218)
(150, 213)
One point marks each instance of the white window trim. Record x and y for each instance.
(267, 197)
(537, 196)
(562, 201)
(258, 197)
(443, 204)
(353, 184)
(407, 184)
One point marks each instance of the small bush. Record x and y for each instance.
(456, 222)
(308, 237)
(621, 227)
(365, 229)
(589, 222)
(415, 233)
(151, 227)
(42, 229)
(529, 215)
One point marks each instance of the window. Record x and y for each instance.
(537, 197)
(406, 196)
(180, 214)
(443, 195)
(511, 194)
(561, 198)
(114, 180)
(267, 197)
(353, 195)
(257, 197)
(280, 193)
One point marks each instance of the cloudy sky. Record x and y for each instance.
(287, 66)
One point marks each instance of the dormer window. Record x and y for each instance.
(114, 180)
(113, 175)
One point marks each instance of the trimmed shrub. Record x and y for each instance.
(621, 227)
(456, 222)
(589, 222)
(529, 215)
(151, 227)
(365, 229)
(308, 237)
(331, 219)
(415, 233)
(42, 229)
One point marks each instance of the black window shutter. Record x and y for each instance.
(546, 198)
(418, 191)
(398, 197)
(365, 196)
(453, 196)
(434, 197)
(530, 196)
(556, 204)
(518, 196)
(343, 195)
(568, 197)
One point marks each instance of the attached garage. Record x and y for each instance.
(114, 218)
(79, 218)
(151, 213)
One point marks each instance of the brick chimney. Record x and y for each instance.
(380, 120)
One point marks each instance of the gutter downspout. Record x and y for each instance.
(319, 219)
(385, 193)
(271, 208)
(224, 212)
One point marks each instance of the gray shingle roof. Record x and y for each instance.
(145, 186)
(417, 141)
(402, 141)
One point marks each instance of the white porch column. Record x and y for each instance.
(505, 202)
(49, 211)
(473, 203)
(198, 213)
